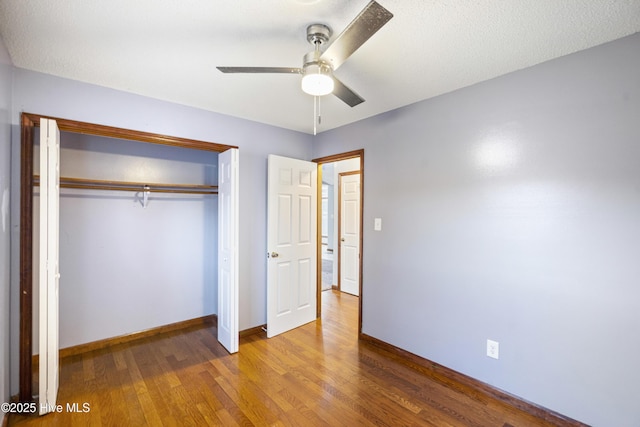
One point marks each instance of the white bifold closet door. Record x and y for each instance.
(49, 274)
(228, 212)
(291, 243)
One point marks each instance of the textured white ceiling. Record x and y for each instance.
(169, 49)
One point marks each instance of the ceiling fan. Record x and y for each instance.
(318, 66)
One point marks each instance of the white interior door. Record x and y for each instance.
(349, 245)
(228, 249)
(291, 243)
(49, 273)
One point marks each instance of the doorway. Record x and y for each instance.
(329, 253)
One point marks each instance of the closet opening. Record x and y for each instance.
(111, 179)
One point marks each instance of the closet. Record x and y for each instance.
(138, 233)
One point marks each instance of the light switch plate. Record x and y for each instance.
(377, 224)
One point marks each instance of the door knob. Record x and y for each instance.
(342, 240)
(274, 255)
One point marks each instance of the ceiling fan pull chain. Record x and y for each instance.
(315, 113)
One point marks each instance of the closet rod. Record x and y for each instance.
(96, 184)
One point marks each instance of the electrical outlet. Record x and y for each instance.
(493, 349)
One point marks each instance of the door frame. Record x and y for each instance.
(330, 159)
(28, 122)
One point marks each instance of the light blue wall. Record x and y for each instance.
(47, 95)
(511, 212)
(5, 185)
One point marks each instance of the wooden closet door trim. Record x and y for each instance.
(26, 258)
(128, 134)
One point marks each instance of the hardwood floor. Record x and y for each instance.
(316, 375)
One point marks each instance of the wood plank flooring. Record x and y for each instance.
(316, 375)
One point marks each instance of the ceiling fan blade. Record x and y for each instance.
(348, 96)
(365, 25)
(258, 70)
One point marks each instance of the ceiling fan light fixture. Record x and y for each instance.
(317, 79)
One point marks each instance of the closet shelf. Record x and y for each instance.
(97, 184)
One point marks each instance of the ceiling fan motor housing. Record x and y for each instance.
(312, 58)
(317, 75)
(317, 34)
